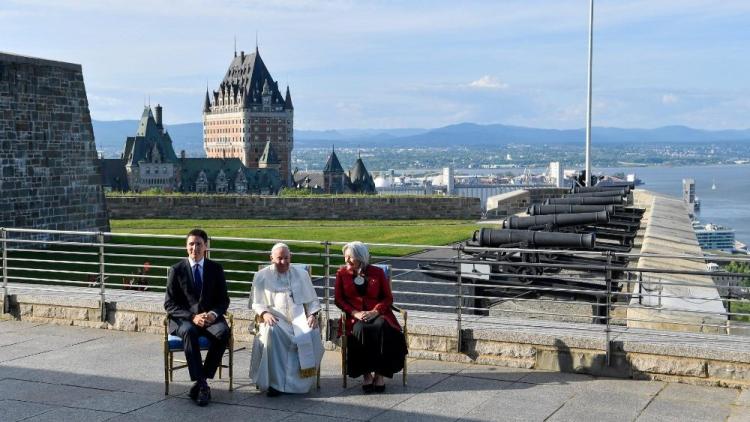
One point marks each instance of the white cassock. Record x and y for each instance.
(287, 355)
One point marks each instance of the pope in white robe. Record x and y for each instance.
(287, 350)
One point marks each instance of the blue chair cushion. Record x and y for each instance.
(175, 343)
(386, 269)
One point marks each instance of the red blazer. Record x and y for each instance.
(378, 297)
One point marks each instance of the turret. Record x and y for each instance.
(288, 101)
(157, 117)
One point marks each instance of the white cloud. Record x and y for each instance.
(669, 99)
(488, 82)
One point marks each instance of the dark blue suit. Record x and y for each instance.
(183, 301)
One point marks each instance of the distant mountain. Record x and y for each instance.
(110, 136)
(470, 134)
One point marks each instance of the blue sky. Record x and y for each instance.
(394, 64)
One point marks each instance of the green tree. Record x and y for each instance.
(740, 267)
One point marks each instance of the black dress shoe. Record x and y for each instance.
(272, 392)
(194, 391)
(367, 388)
(204, 396)
(378, 388)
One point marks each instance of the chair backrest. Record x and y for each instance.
(306, 267)
(386, 269)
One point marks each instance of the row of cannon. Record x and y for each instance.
(537, 250)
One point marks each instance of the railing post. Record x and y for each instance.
(102, 293)
(460, 301)
(608, 280)
(4, 239)
(640, 287)
(326, 289)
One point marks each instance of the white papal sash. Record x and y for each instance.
(305, 350)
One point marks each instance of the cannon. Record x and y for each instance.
(556, 220)
(537, 209)
(597, 200)
(620, 192)
(496, 238)
(598, 188)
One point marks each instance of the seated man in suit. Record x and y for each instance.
(287, 349)
(196, 301)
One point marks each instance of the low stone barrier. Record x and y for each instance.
(293, 208)
(639, 354)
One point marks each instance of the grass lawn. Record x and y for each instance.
(741, 307)
(416, 232)
(238, 257)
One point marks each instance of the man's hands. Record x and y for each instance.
(204, 319)
(269, 319)
(312, 321)
(366, 315)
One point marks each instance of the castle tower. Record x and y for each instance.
(334, 179)
(247, 112)
(360, 178)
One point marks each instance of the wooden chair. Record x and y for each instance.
(174, 344)
(259, 320)
(387, 269)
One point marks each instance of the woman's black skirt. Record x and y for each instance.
(375, 346)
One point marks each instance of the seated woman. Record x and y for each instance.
(287, 349)
(376, 345)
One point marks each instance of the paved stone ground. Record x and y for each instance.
(53, 373)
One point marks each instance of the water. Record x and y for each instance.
(727, 205)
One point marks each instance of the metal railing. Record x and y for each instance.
(604, 294)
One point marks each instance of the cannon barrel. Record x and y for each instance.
(627, 187)
(595, 200)
(620, 192)
(557, 220)
(498, 237)
(537, 209)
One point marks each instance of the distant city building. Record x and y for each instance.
(714, 237)
(333, 178)
(556, 174)
(688, 194)
(248, 117)
(149, 162)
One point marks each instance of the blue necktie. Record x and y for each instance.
(198, 279)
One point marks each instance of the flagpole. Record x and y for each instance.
(588, 104)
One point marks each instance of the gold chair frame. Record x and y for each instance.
(169, 359)
(342, 322)
(259, 320)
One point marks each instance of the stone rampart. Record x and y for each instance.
(49, 175)
(293, 208)
(675, 302)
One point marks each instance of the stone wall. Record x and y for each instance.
(49, 175)
(274, 207)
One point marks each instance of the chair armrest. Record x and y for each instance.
(397, 309)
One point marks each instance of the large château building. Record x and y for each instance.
(149, 162)
(248, 117)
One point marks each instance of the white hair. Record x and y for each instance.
(280, 245)
(358, 251)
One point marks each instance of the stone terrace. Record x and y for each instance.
(53, 373)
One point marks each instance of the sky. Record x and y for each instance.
(408, 64)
